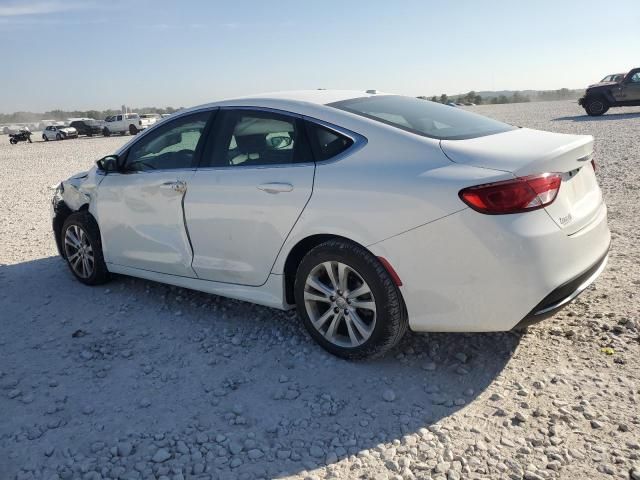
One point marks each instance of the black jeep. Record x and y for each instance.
(625, 92)
(87, 127)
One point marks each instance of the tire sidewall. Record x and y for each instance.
(593, 101)
(84, 221)
(385, 293)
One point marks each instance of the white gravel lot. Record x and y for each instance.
(165, 383)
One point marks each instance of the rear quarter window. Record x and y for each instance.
(423, 117)
(326, 143)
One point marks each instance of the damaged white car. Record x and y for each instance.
(369, 213)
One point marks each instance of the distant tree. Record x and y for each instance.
(422, 97)
(434, 99)
(444, 98)
(477, 100)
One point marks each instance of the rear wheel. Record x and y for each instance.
(80, 238)
(348, 302)
(58, 137)
(596, 106)
(106, 132)
(133, 130)
(13, 141)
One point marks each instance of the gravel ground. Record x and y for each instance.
(137, 380)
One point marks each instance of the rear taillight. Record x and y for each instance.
(521, 194)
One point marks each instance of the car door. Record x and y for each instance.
(140, 209)
(632, 88)
(254, 180)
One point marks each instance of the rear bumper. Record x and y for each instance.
(564, 294)
(470, 272)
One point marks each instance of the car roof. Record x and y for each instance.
(293, 97)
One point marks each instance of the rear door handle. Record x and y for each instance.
(176, 185)
(275, 187)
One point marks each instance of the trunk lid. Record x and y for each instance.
(525, 152)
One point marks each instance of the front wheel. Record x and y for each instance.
(106, 132)
(58, 137)
(45, 138)
(80, 237)
(348, 302)
(596, 106)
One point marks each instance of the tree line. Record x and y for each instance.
(515, 97)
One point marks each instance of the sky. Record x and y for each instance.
(86, 54)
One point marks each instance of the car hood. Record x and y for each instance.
(68, 129)
(602, 84)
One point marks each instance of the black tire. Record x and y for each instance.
(106, 132)
(133, 130)
(29, 139)
(596, 106)
(58, 137)
(85, 221)
(45, 138)
(12, 141)
(391, 321)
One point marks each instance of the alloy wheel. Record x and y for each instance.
(79, 251)
(340, 304)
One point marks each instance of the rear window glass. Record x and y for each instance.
(423, 117)
(326, 143)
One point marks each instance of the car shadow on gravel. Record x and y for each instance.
(205, 385)
(603, 118)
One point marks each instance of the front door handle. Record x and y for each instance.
(275, 187)
(176, 185)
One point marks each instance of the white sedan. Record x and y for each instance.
(56, 132)
(369, 213)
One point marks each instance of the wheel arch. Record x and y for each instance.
(62, 212)
(303, 246)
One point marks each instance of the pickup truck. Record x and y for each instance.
(620, 91)
(122, 123)
(149, 119)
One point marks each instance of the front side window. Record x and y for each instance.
(172, 146)
(257, 138)
(119, 117)
(423, 117)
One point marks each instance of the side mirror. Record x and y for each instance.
(108, 164)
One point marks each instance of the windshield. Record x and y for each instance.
(423, 117)
(616, 77)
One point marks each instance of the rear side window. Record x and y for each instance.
(251, 138)
(326, 143)
(423, 117)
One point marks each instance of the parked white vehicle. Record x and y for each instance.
(122, 124)
(370, 213)
(149, 119)
(56, 132)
